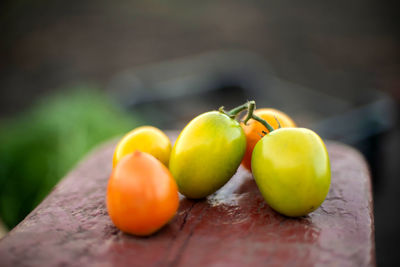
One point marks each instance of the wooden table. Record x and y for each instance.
(233, 227)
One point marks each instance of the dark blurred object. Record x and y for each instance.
(171, 93)
(329, 46)
(42, 144)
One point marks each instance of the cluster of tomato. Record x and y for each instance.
(290, 166)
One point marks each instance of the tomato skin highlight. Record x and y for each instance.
(147, 139)
(292, 170)
(253, 130)
(206, 154)
(142, 195)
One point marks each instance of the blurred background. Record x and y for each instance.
(73, 75)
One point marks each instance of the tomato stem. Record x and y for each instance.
(235, 111)
(250, 106)
(263, 122)
(250, 111)
(251, 115)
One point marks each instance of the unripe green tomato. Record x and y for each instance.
(292, 170)
(206, 154)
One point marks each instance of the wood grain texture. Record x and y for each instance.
(233, 227)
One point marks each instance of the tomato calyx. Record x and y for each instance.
(250, 106)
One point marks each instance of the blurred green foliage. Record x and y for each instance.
(39, 147)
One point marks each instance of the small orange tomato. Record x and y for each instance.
(142, 195)
(254, 130)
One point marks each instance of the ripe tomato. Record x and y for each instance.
(142, 195)
(146, 139)
(292, 170)
(254, 130)
(206, 154)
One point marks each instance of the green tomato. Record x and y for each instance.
(292, 170)
(206, 154)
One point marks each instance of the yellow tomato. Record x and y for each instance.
(145, 139)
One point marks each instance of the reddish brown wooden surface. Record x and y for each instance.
(233, 227)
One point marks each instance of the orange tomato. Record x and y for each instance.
(254, 130)
(142, 195)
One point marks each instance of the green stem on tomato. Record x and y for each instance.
(251, 115)
(250, 106)
(235, 111)
(263, 122)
